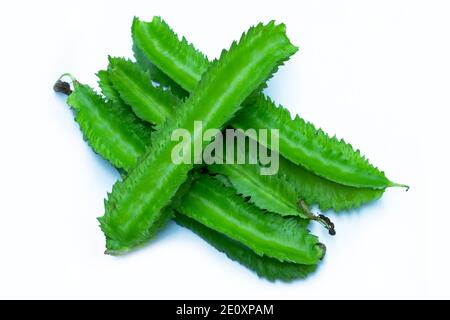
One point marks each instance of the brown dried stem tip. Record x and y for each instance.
(63, 87)
(323, 220)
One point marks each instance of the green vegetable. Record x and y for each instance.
(246, 178)
(273, 193)
(269, 268)
(265, 267)
(157, 75)
(150, 103)
(217, 206)
(260, 221)
(327, 194)
(179, 60)
(135, 203)
(303, 144)
(311, 188)
(300, 142)
(268, 192)
(98, 119)
(107, 88)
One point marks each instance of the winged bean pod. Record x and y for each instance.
(118, 128)
(300, 141)
(135, 203)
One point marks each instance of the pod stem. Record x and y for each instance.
(63, 86)
(394, 184)
(320, 218)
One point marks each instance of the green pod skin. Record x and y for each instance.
(135, 203)
(150, 103)
(157, 75)
(273, 193)
(107, 88)
(325, 193)
(300, 142)
(138, 127)
(265, 233)
(311, 188)
(179, 60)
(265, 267)
(98, 119)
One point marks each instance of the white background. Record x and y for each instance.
(374, 72)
